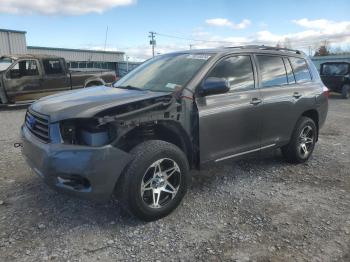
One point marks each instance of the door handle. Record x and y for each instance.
(297, 95)
(255, 101)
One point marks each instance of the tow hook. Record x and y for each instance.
(16, 145)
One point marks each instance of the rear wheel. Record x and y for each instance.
(346, 91)
(155, 181)
(303, 141)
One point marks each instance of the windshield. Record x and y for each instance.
(335, 69)
(164, 73)
(5, 63)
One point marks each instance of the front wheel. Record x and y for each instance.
(155, 181)
(303, 141)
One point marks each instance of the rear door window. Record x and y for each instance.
(272, 71)
(301, 70)
(52, 66)
(237, 70)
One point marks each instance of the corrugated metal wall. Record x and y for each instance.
(78, 54)
(318, 60)
(12, 42)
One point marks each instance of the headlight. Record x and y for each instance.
(87, 132)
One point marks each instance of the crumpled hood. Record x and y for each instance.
(88, 102)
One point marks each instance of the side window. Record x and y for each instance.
(23, 68)
(52, 66)
(272, 71)
(301, 70)
(290, 75)
(237, 70)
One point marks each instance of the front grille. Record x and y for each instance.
(38, 125)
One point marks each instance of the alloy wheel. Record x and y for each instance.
(160, 183)
(306, 141)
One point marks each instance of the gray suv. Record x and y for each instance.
(175, 112)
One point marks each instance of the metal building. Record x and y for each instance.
(82, 58)
(12, 42)
(318, 60)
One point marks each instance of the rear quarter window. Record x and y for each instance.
(301, 70)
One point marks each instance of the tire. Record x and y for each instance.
(302, 143)
(143, 172)
(345, 91)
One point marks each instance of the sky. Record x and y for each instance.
(179, 24)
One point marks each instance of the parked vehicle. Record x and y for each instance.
(26, 78)
(336, 76)
(173, 113)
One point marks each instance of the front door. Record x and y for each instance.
(22, 81)
(229, 124)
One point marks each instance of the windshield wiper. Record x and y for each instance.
(130, 88)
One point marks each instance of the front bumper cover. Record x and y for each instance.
(56, 163)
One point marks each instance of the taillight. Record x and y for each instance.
(325, 91)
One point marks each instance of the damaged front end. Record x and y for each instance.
(87, 155)
(110, 126)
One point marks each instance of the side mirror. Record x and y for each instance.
(213, 86)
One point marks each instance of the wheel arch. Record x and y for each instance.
(96, 80)
(168, 131)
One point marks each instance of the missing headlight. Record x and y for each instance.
(87, 132)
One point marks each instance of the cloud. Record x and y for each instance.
(60, 7)
(315, 24)
(223, 22)
(312, 33)
(315, 31)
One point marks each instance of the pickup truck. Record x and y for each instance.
(25, 78)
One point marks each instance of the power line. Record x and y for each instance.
(301, 44)
(195, 40)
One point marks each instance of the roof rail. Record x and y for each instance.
(264, 47)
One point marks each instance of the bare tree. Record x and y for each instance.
(323, 49)
(287, 43)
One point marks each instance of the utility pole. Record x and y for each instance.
(152, 42)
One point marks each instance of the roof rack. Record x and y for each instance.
(264, 47)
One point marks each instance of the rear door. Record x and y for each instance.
(55, 77)
(229, 124)
(22, 80)
(281, 96)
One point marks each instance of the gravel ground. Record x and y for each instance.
(252, 210)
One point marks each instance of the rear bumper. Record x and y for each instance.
(83, 171)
